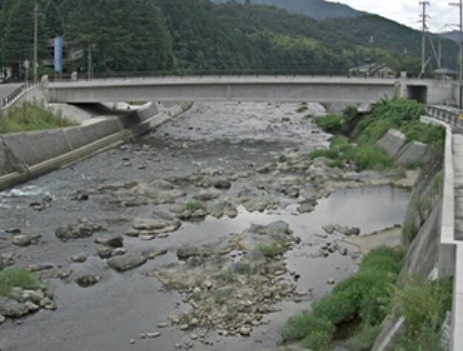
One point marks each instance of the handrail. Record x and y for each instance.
(12, 97)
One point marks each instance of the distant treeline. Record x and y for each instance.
(192, 35)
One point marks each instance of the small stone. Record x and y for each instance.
(2, 319)
(245, 331)
(184, 327)
(132, 341)
(163, 325)
(178, 345)
(80, 258)
(88, 280)
(194, 337)
(119, 251)
(32, 307)
(331, 281)
(194, 322)
(153, 335)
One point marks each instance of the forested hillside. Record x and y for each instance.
(192, 35)
(318, 9)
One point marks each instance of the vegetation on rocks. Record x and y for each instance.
(15, 277)
(31, 117)
(357, 136)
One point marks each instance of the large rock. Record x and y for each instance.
(156, 226)
(24, 240)
(207, 194)
(111, 241)
(392, 142)
(128, 262)
(79, 230)
(11, 308)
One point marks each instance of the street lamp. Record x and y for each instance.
(459, 4)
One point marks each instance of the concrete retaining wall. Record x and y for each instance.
(403, 153)
(36, 153)
(392, 142)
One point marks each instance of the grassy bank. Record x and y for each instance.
(357, 135)
(366, 298)
(29, 117)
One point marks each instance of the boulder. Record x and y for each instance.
(127, 262)
(11, 308)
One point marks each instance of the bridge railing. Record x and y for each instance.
(447, 114)
(215, 73)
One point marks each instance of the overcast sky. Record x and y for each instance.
(442, 16)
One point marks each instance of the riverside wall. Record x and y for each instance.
(24, 156)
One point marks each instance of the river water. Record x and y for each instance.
(233, 138)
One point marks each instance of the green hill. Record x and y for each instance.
(317, 9)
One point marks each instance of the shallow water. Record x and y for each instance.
(122, 306)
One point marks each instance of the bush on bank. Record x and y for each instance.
(364, 132)
(367, 297)
(29, 117)
(364, 296)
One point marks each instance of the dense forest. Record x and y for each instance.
(198, 35)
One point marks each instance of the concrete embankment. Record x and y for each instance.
(27, 155)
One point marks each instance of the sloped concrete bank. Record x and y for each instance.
(24, 156)
(422, 233)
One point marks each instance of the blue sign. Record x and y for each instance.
(59, 54)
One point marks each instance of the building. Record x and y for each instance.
(379, 70)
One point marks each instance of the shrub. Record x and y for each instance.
(194, 205)
(365, 295)
(409, 232)
(424, 304)
(364, 339)
(271, 250)
(16, 277)
(371, 157)
(330, 123)
(31, 117)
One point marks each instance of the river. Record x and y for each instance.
(260, 150)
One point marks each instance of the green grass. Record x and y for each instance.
(271, 250)
(30, 117)
(16, 277)
(409, 232)
(364, 339)
(366, 296)
(194, 205)
(424, 304)
(330, 123)
(364, 132)
(228, 276)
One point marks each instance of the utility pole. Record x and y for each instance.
(460, 58)
(36, 31)
(424, 16)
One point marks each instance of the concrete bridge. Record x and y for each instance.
(349, 90)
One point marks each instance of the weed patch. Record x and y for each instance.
(16, 277)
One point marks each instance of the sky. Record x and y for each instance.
(442, 16)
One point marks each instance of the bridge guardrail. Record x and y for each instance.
(225, 73)
(447, 114)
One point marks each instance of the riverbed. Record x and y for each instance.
(247, 164)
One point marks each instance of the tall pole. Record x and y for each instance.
(423, 37)
(460, 58)
(36, 31)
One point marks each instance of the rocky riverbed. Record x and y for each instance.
(206, 234)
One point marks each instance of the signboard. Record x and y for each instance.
(58, 54)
